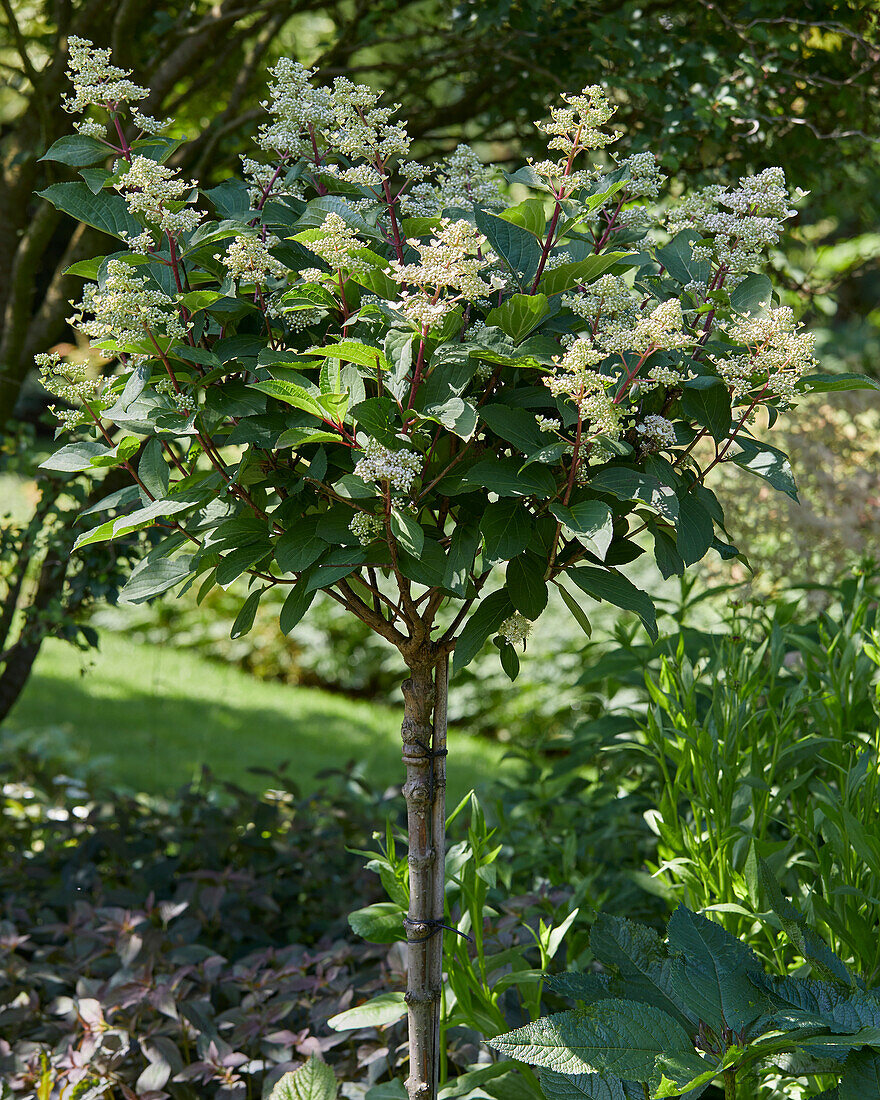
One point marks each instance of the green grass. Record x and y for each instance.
(148, 718)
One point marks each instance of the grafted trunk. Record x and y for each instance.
(424, 755)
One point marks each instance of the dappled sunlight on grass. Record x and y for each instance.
(149, 718)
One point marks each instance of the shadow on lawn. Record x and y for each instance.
(155, 742)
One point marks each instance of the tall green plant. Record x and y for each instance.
(386, 382)
(768, 745)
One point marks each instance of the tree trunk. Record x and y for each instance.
(424, 755)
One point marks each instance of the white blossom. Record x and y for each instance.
(515, 629)
(248, 259)
(656, 432)
(149, 188)
(96, 82)
(379, 464)
(366, 527)
(779, 353)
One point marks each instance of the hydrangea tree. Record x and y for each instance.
(398, 384)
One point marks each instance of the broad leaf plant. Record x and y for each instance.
(431, 392)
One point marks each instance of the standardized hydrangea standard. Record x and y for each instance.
(352, 372)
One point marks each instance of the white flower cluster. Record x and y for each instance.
(398, 468)
(465, 180)
(69, 381)
(546, 423)
(645, 176)
(336, 247)
(366, 527)
(587, 389)
(656, 432)
(449, 262)
(149, 188)
(780, 352)
(294, 105)
(125, 308)
(515, 629)
(609, 296)
(361, 128)
(183, 402)
(662, 330)
(247, 258)
(96, 83)
(743, 222)
(577, 126)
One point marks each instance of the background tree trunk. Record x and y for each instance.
(424, 755)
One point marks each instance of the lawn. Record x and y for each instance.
(149, 717)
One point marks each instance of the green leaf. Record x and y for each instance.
(753, 295)
(460, 559)
(642, 959)
(240, 559)
(515, 425)
(153, 470)
(830, 383)
(407, 532)
(604, 585)
(506, 526)
(509, 661)
(105, 211)
(709, 406)
(526, 585)
(669, 561)
(591, 521)
(376, 416)
(861, 1076)
(628, 484)
(588, 987)
(566, 276)
(489, 615)
(581, 1086)
(381, 1011)
(77, 150)
(314, 1080)
(678, 258)
(244, 620)
(576, 610)
(767, 462)
(518, 248)
(711, 974)
(298, 601)
(381, 922)
(75, 457)
(149, 578)
(531, 215)
(505, 477)
(299, 547)
(696, 530)
(610, 1036)
(455, 414)
(350, 351)
(291, 394)
(519, 315)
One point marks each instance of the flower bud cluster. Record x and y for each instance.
(780, 352)
(71, 382)
(295, 105)
(609, 296)
(126, 308)
(183, 402)
(515, 629)
(337, 245)
(366, 527)
(645, 176)
(398, 468)
(577, 126)
(248, 259)
(657, 432)
(574, 379)
(743, 222)
(449, 262)
(96, 82)
(465, 181)
(149, 188)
